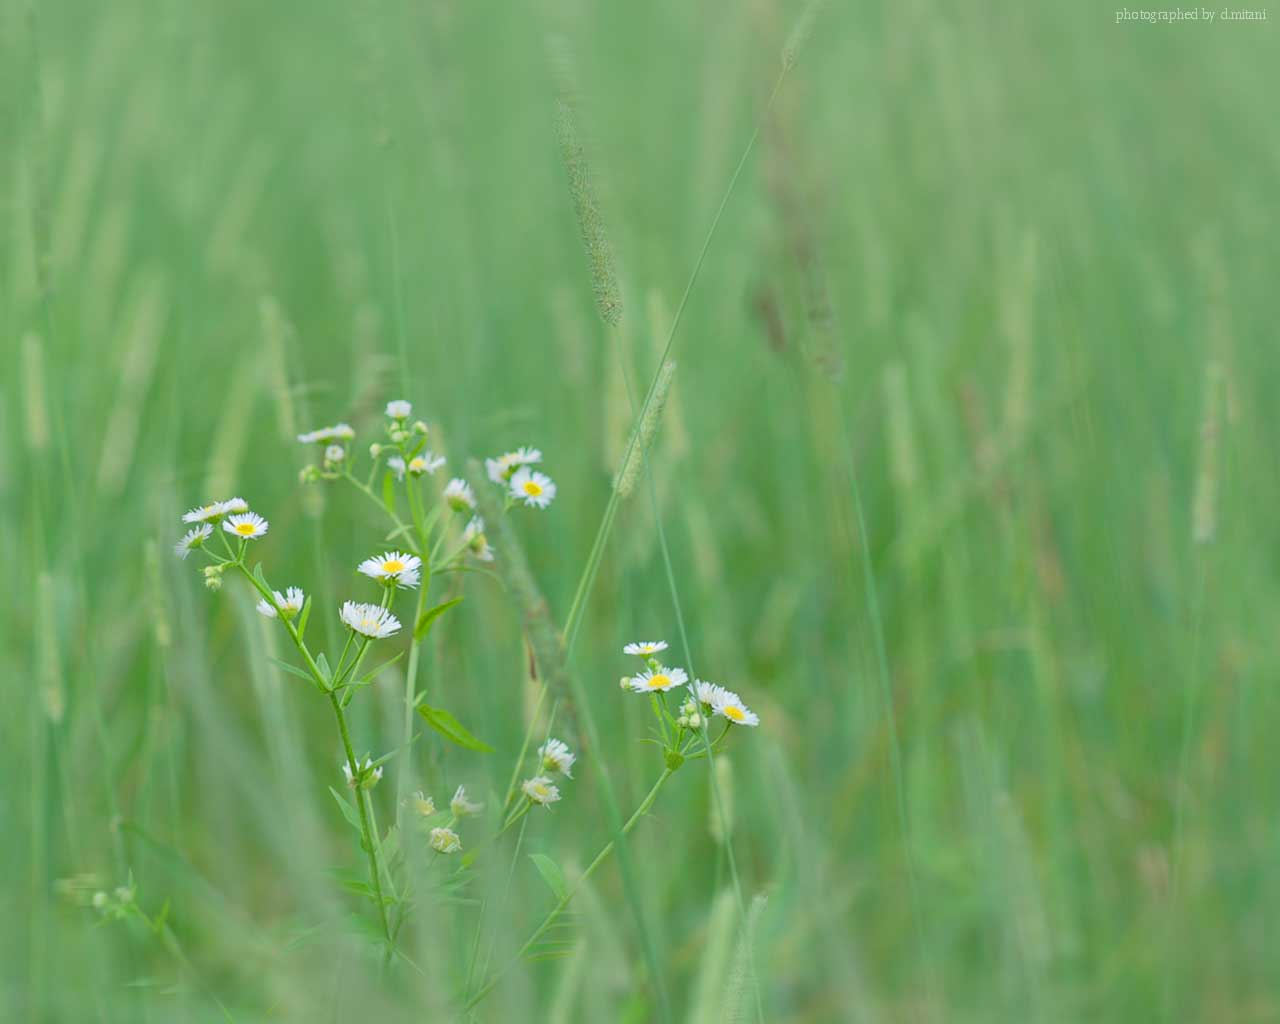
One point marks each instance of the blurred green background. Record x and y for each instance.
(966, 477)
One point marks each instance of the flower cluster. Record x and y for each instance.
(441, 835)
(683, 734)
(554, 758)
(438, 533)
(235, 519)
(513, 471)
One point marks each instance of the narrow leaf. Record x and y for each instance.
(322, 663)
(551, 874)
(429, 617)
(302, 619)
(348, 812)
(368, 677)
(451, 729)
(293, 669)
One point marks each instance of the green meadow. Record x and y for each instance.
(965, 480)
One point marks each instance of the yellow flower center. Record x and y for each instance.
(245, 529)
(532, 488)
(659, 681)
(734, 713)
(541, 792)
(395, 565)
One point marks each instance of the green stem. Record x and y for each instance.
(558, 909)
(410, 684)
(366, 829)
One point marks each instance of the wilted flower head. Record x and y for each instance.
(289, 603)
(422, 804)
(461, 807)
(247, 525)
(393, 568)
(459, 496)
(556, 757)
(369, 620)
(192, 539)
(366, 776)
(541, 790)
(473, 536)
(338, 432)
(659, 679)
(445, 840)
(533, 488)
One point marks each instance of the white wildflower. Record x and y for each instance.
(369, 620)
(192, 539)
(533, 488)
(541, 790)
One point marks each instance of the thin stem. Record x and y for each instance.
(558, 909)
(365, 828)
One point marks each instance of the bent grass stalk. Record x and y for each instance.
(587, 579)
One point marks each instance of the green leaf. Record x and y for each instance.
(389, 492)
(348, 812)
(368, 677)
(293, 669)
(551, 874)
(429, 617)
(451, 729)
(302, 619)
(322, 663)
(257, 575)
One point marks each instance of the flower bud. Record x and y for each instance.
(695, 721)
(419, 427)
(375, 450)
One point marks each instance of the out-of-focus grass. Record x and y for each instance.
(1012, 268)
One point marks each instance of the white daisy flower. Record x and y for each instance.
(706, 694)
(445, 840)
(335, 453)
(659, 679)
(192, 539)
(422, 804)
(459, 496)
(290, 602)
(501, 468)
(473, 536)
(211, 512)
(369, 620)
(533, 488)
(541, 790)
(645, 648)
(461, 807)
(729, 704)
(364, 777)
(426, 461)
(338, 432)
(399, 410)
(246, 525)
(393, 567)
(556, 757)
(397, 466)
(234, 505)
